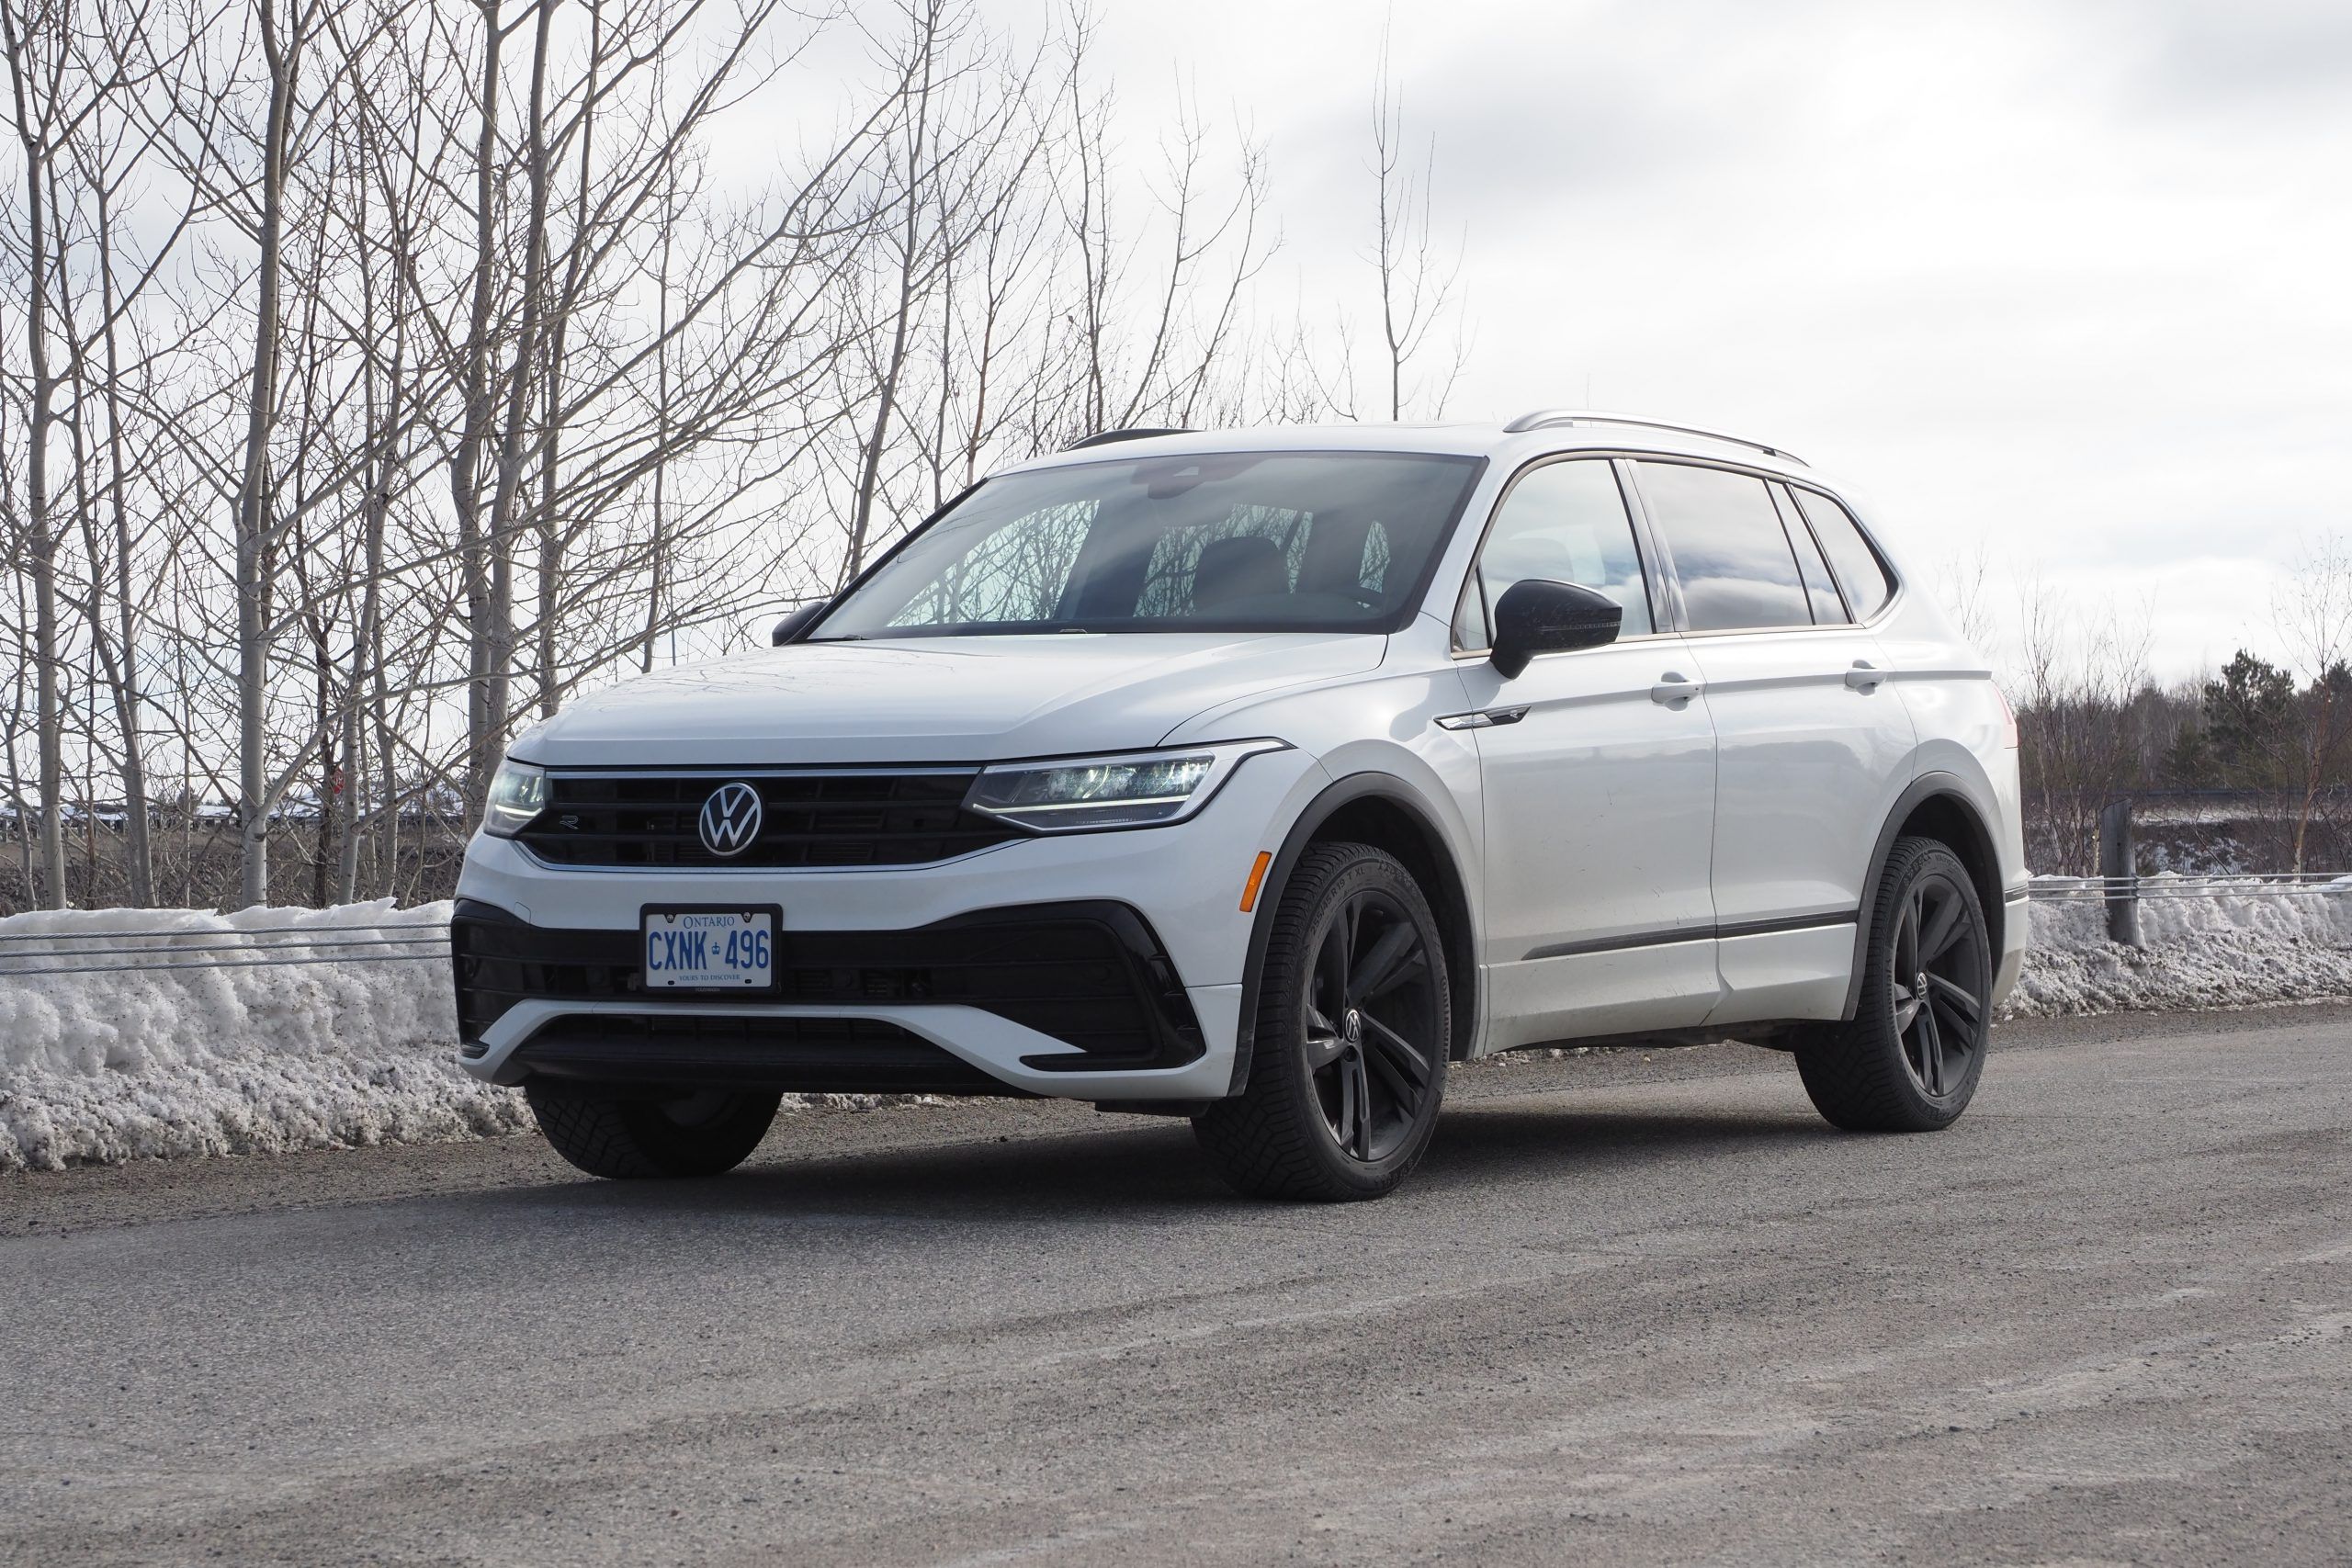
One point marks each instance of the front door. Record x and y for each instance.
(1599, 783)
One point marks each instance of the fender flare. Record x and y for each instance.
(1927, 786)
(1462, 968)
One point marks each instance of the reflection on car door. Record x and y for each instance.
(1598, 775)
(1813, 743)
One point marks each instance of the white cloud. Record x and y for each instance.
(2063, 282)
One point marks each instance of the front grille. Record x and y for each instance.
(810, 818)
(1091, 973)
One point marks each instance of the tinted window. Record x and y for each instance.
(1819, 586)
(1729, 552)
(1564, 521)
(1858, 566)
(1239, 541)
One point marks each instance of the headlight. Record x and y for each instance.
(518, 792)
(1144, 789)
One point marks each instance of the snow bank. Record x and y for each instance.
(2215, 949)
(184, 1032)
(187, 1032)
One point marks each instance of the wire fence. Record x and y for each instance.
(25, 954)
(2174, 884)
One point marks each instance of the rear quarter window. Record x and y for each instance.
(1860, 570)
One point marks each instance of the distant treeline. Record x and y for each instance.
(2283, 747)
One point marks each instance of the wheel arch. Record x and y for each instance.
(1937, 806)
(1380, 810)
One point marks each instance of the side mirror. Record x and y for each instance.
(793, 625)
(1542, 616)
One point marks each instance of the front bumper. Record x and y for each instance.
(1098, 966)
(1042, 999)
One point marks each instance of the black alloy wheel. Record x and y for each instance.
(1909, 1059)
(1371, 1024)
(1353, 1028)
(1940, 1007)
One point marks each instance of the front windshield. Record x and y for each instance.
(1241, 541)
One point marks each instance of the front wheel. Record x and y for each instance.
(702, 1134)
(1909, 1058)
(1353, 1028)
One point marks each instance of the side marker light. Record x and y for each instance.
(1256, 880)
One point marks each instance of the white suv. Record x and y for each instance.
(1254, 776)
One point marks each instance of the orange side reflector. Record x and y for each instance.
(1257, 879)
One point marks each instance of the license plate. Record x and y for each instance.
(708, 950)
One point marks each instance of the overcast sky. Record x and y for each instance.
(2065, 282)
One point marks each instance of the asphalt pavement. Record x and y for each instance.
(1630, 1309)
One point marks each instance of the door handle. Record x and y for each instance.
(1864, 677)
(1675, 687)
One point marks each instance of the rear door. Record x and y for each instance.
(1812, 744)
(1599, 771)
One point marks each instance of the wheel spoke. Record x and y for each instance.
(1942, 929)
(1907, 936)
(1391, 1074)
(1323, 1048)
(1360, 1088)
(1395, 1048)
(1343, 1126)
(1378, 970)
(1957, 1002)
(1906, 1008)
(1331, 968)
(1931, 1053)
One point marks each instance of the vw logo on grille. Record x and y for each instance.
(731, 820)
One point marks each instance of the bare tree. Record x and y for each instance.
(2312, 611)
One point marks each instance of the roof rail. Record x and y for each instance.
(1105, 437)
(1543, 418)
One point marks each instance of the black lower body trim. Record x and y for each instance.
(1695, 933)
(799, 1055)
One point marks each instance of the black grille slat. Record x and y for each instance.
(806, 819)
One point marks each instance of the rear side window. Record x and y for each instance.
(1859, 568)
(1565, 523)
(1734, 561)
(1819, 586)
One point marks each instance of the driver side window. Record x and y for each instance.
(1566, 522)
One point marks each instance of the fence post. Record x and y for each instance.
(2119, 868)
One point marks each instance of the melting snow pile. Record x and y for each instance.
(2217, 949)
(163, 1032)
(145, 1033)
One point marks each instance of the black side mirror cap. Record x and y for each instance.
(793, 625)
(1542, 616)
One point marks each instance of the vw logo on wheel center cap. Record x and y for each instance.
(1351, 1027)
(730, 818)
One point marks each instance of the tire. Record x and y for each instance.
(1354, 1029)
(707, 1133)
(1900, 1064)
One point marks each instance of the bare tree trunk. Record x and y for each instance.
(41, 543)
(281, 56)
(473, 440)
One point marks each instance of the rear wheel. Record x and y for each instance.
(1352, 1030)
(706, 1133)
(1909, 1058)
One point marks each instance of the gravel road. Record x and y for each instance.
(1631, 1310)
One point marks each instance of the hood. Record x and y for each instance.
(935, 699)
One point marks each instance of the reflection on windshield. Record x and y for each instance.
(1239, 541)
